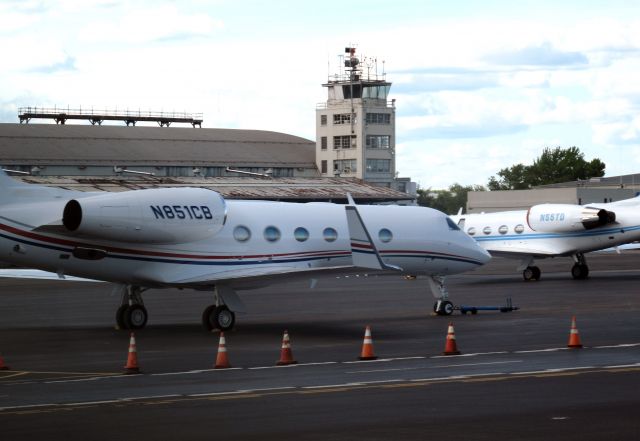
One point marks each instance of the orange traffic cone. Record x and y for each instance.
(450, 347)
(574, 336)
(132, 360)
(3, 367)
(222, 362)
(367, 346)
(286, 357)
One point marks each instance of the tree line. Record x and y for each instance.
(553, 166)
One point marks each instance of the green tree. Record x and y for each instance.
(553, 166)
(448, 201)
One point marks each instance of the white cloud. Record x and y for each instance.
(474, 94)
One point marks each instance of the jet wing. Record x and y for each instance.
(258, 277)
(21, 273)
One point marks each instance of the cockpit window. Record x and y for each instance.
(452, 225)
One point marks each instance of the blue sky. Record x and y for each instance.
(479, 85)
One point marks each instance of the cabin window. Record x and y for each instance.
(301, 234)
(272, 234)
(519, 228)
(486, 230)
(241, 233)
(503, 229)
(471, 231)
(385, 235)
(330, 234)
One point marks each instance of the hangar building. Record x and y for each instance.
(240, 164)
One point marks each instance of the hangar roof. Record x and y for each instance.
(284, 189)
(49, 144)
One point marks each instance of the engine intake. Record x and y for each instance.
(159, 215)
(560, 218)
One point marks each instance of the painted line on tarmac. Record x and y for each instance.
(623, 366)
(383, 360)
(399, 383)
(433, 367)
(150, 397)
(625, 345)
(540, 350)
(197, 371)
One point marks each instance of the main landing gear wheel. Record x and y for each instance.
(218, 317)
(131, 317)
(580, 272)
(531, 273)
(444, 307)
(132, 314)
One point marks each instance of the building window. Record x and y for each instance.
(342, 142)
(378, 118)
(378, 141)
(323, 120)
(323, 143)
(323, 166)
(379, 165)
(342, 118)
(330, 234)
(345, 165)
(282, 172)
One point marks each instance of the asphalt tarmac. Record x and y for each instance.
(515, 379)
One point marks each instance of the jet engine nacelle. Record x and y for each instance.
(559, 218)
(158, 215)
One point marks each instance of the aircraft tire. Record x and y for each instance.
(536, 272)
(580, 272)
(223, 318)
(120, 316)
(527, 274)
(446, 308)
(135, 317)
(206, 318)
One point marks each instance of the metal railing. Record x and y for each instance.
(54, 111)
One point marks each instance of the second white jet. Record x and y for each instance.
(551, 230)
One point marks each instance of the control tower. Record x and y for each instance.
(355, 127)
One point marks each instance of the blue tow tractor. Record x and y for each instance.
(474, 309)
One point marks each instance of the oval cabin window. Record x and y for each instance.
(330, 234)
(272, 234)
(519, 228)
(241, 233)
(487, 230)
(301, 234)
(503, 229)
(471, 231)
(385, 235)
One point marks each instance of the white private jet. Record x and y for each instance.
(551, 230)
(193, 238)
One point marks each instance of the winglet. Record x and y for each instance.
(363, 251)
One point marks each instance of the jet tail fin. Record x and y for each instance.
(363, 251)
